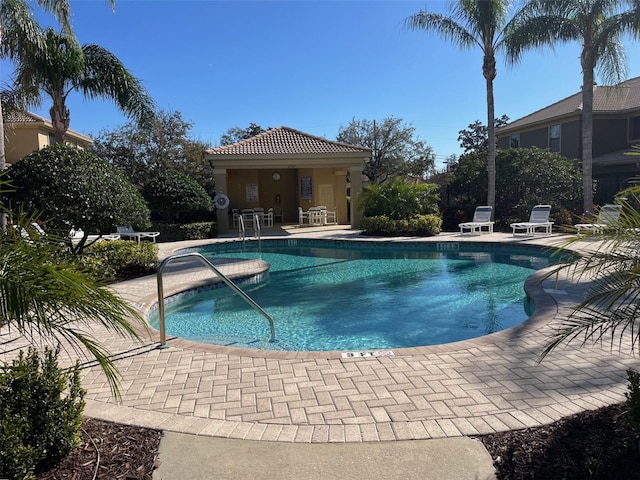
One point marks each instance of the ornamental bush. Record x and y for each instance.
(118, 260)
(176, 232)
(419, 225)
(73, 187)
(398, 199)
(175, 196)
(40, 414)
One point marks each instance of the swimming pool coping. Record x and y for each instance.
(478, 390)
(544, 304)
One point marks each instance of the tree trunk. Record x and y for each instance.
(3, 163)
(587, 139)
(489, 71)
(60, 119)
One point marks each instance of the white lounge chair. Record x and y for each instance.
(481, 219)
(129, 232)
(76, 234)
(608, 215)
(538, 222)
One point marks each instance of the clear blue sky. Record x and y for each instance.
(309, 65)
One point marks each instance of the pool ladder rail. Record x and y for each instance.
(223, 277)
(257, 229)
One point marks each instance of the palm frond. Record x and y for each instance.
(106, 77)
(43, 298)
(611, 306)
(445, 26)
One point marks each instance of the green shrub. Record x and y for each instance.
(72, 187)
(118, 260)
(175, 232)
(633, 397)
(419, 225)
(40, 414)
(398, 199)
(562, 217)
(175, 196)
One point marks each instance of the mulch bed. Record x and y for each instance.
(110, 451)
(598, 444)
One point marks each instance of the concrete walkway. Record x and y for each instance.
(222, 395)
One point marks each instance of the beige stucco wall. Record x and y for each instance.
(22, 139)
(288, 190)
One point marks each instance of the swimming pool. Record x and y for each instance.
(358, 296)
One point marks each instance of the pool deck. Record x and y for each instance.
(491, 384)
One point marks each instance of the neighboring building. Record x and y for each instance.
(26, 132)
(616, 128)
(286, 168)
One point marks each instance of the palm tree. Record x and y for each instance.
(61, 66)
(42, 297)
(19, 31)
(599, 26)
(474, 23)
(611, 308)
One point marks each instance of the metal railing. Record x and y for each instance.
(225, 279)
(241, 230)
(257, 227)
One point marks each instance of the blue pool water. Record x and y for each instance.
(353, 297)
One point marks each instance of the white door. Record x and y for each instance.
(325, 195)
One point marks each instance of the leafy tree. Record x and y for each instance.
(526, 177)
(72, 187)
(468, 183)
(475, 138)
(46, 300)
(474, 23)
(174, 196)
(56, 65)
(18, 34)
(141, 154)
(237, 134)
(599, 26)
(399, 199)
(610, 309)
(395, 151)
(530, 176)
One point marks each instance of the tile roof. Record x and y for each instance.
(14, 116)
(285, 140)
(617, 98)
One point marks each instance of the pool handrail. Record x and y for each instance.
(223, 277)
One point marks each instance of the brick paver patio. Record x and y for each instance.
(479, 386)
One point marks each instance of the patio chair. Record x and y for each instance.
(129, 232)
(481, 219)
(317, 215)
(248, 218)
(331, 217)
(268, 218)
(302, 216)
(539, 219)
(608, 215)
(278, 214)
(235, 214)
